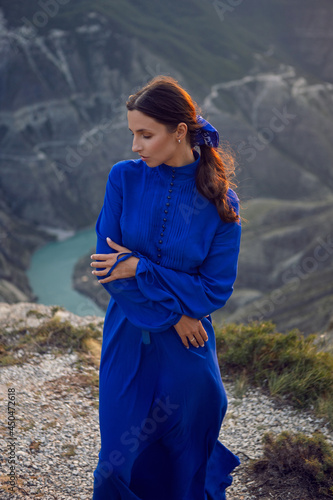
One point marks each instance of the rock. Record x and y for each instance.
(63, 127)
(60, 132)
(54, 393)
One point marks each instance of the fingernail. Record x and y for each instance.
(109, 239)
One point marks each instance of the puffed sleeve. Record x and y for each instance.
(203, 293)
(141, 311)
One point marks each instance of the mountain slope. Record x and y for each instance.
(207, 41)
(262, 72)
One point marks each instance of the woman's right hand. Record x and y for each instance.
(191, 330)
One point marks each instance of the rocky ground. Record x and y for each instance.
(56, 429)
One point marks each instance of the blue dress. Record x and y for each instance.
(161, 405)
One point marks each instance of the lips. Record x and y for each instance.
(144, 158)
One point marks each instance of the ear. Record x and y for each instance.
(181, 131)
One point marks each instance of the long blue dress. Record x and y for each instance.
(161, 405)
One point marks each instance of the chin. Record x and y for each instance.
(151, 164)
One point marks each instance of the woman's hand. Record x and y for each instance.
(125, 269)
(191, 329)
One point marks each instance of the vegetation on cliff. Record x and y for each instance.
(289, 366)
(295, 464)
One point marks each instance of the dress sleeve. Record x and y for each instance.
(196, 295)
(141, 311)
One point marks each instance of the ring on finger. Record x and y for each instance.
(193, 338)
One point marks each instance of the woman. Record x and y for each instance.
(167, 247)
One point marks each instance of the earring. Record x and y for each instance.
(179, 141)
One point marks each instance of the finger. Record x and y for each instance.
(195, 342)
(198, 338)
(100, 264)
(106, 280)
(101, 273)
(100, 256)
(185, 342)
(115, 245)
(203, 332)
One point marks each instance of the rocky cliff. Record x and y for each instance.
(286, 183)
(279, 124)
(61, 127)
(64, 83)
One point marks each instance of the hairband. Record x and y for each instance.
(207, 134)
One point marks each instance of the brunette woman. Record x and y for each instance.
(168, 239)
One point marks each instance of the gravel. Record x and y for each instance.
(57, 430)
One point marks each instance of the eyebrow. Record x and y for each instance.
(141, 130)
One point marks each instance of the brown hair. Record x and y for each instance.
(168, 103)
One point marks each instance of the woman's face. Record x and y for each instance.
(152, 141)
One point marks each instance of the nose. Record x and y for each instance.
(135, 146)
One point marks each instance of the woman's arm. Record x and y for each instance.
(141, 311)
(157, 297)
(119, 264)
(199, 294)
(187, 328)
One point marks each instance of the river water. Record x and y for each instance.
(50, 273)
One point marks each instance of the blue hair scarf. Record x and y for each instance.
(207, 134)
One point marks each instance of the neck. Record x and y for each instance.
(185, 157)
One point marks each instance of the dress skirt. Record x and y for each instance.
(161, 408)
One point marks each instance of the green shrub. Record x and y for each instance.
(286, 365)
(296, 460)
(53, 335)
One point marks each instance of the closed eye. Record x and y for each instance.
(144, 136)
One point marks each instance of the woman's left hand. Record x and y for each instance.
(125, 269)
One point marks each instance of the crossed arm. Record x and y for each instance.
(153, 297)
(189, 329)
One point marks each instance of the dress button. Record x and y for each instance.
(158, 262)
(168, 204)
(165, 211)
(169, 197)
(162, 234)
(159, 256)
(164, 219)
(160, 242)
(158, 249)
(163, 226)
(171, 183)
(170, 190)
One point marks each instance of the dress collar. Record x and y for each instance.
(184, 173)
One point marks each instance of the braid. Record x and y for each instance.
(213, 180)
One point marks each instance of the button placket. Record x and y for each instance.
(166, 211)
